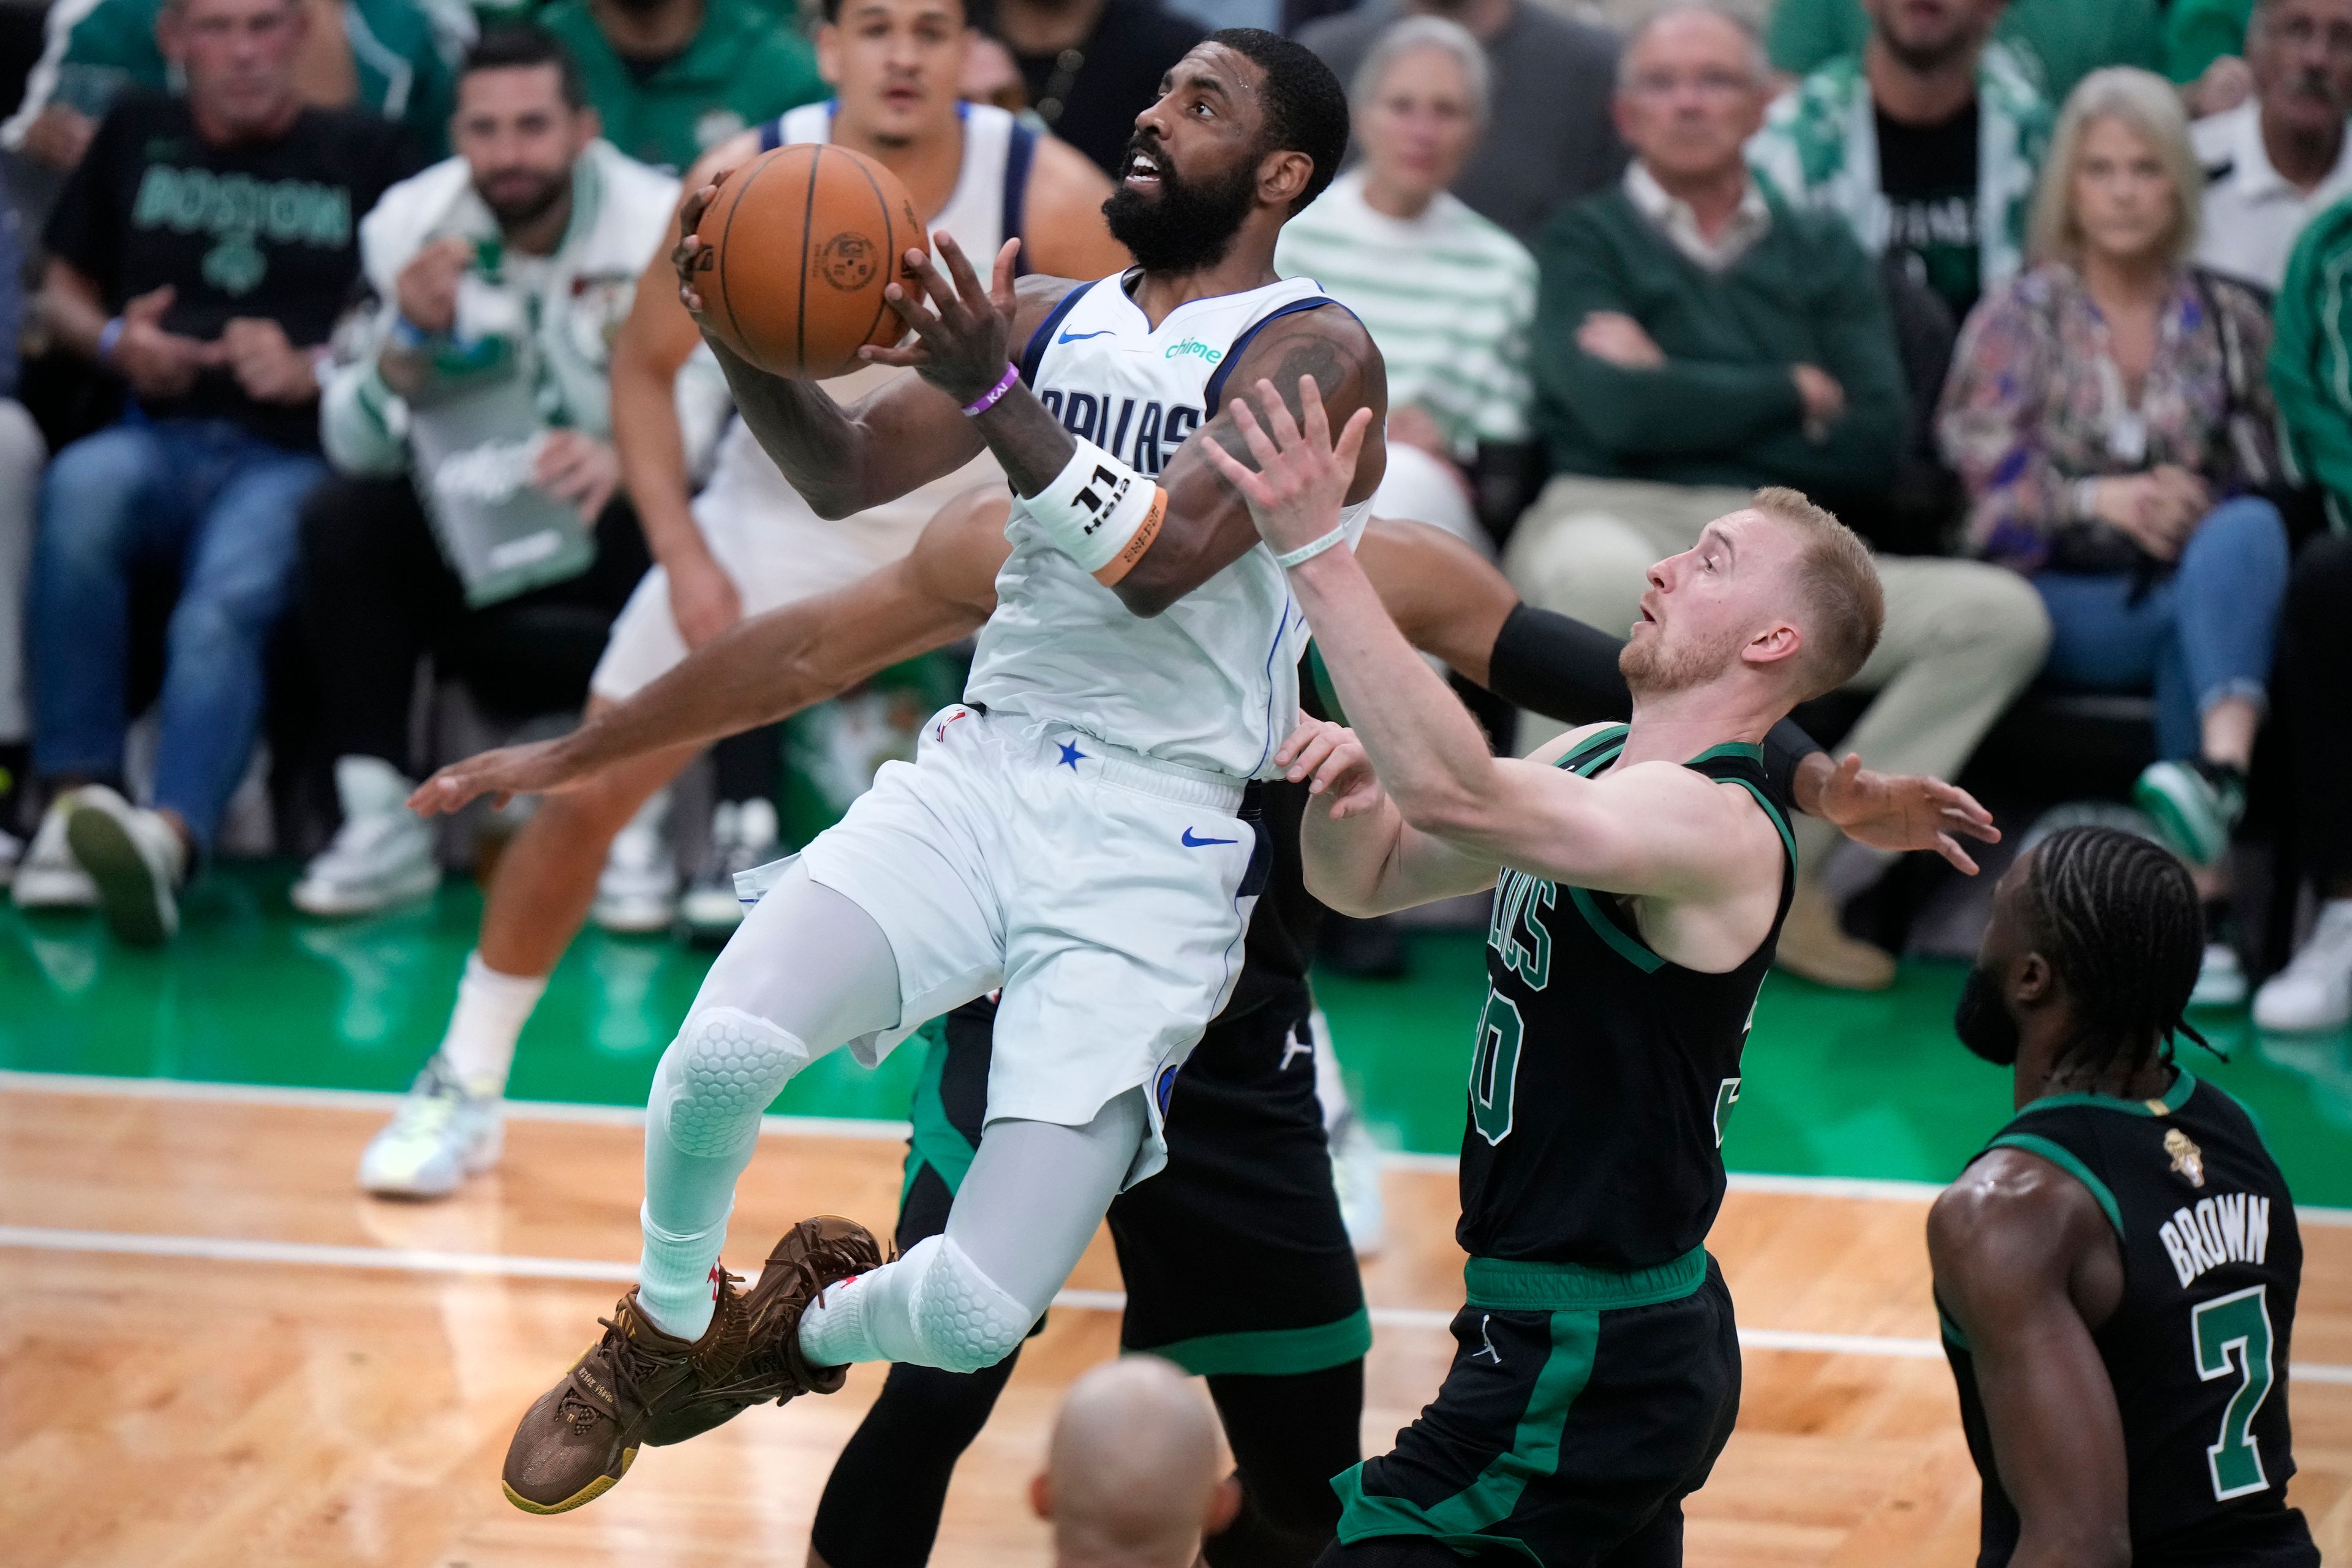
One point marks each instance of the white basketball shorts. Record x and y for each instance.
(1108, 895)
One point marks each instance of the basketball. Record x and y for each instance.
(803, 241)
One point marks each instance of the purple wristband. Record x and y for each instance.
(989, 399)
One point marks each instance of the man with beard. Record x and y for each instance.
(1926, 143)
(2116, 1272)
(747, 543)
(502, 274)
(2280, 159)
(1640, 874)
(1079, 832)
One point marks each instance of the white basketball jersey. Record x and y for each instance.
(1213, 683)
(746, 490)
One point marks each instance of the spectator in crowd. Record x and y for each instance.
(1926, 142)
(1090, 67)
(1549, 138)
(1448, 296)
(1695, 339)
(2062, 40)
(2311, 377)
(2313, 992)
(501, 275)
(382, 54)
(2108, 416)
(21, 453)
(2281, 157)
(672, 79)
(202, 252)
(2204, 53)
(1131, 1477)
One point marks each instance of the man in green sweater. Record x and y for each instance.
(673, 78)
(1695, 339)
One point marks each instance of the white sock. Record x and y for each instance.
(674, 1287)
(483, 1027)
(870, 1317)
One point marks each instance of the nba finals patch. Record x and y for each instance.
(2187, 1159)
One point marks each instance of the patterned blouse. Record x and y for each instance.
(2035, 401)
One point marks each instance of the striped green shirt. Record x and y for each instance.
(1448, 297)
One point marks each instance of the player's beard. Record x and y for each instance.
(514, 211)
(1983, 1021)
(1188, 226)
(1651, 669)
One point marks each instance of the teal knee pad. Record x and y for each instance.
(724, 1068)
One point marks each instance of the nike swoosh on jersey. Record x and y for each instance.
(1188, 842)
(1070, 337)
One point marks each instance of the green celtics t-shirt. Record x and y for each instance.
(261, 229)
(743, 66)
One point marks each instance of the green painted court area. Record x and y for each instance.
(1837, 1084)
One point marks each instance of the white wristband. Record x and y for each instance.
(1101, 512)
(1310, 550)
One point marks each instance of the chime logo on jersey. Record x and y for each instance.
(1142, 432)
(2229, 1227)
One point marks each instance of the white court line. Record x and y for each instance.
(1861, 1188)
(417, 1260)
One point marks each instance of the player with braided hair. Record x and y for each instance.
(2116, 1272)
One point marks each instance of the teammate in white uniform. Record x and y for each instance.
(750, 542)
(1074, 833)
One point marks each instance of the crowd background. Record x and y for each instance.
(2048, 299)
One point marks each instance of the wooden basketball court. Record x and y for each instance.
(213, 1351)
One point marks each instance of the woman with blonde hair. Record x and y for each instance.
(2108, 412)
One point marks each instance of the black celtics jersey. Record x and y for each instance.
(1603, 1074)
(2197, 1349)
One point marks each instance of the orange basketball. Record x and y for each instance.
(803, 241)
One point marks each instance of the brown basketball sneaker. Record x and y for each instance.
(813, 1255)
(639, 1385)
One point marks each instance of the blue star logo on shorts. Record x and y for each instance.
(1070, 755)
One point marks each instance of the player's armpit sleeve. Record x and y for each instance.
(1558, 667)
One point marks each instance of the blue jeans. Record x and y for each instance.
(223, 507)
(2196, 638)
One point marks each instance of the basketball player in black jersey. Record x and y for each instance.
(1641, 873)
(2116, 1272)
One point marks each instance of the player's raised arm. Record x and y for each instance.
(1432, 757)
(2021, 1252)
(770, 667)
(845, 461)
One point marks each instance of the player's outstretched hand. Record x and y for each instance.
(509, 771)
(963, 338)
(1330, 760)
(1302, 476)
(1904, 811)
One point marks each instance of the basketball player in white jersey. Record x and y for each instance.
(749, 543)
(1074, 832)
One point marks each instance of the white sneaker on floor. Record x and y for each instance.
(382, 854)
(136, 860)
(48, 877)
(1356, 1173)
(440, 1135)
(2313, 992)
(743, 834)
(2221, 979)
(638, 891)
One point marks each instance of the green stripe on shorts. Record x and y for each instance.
(1270, 1353)
(1460, 1520)
(936, 1142)
(1505, 1284)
